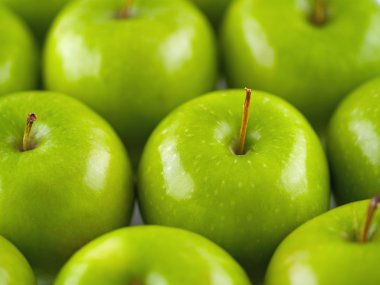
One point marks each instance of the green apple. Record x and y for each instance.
(131, 63)
(310, 52)
(37, 14)
(18, 55)
(151, 255)
(14, 269)
(64, 182)
(329, 250)
(213, 9)
(354, 144)
(191, 176)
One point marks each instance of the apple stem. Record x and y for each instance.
(26, 138)
(125, 11)
(244, 120)
(319, 14)
(373, 205)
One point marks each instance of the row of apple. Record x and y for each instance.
(66, 179)
(105, 52)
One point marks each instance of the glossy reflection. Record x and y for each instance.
(97, 169)
(5, 71)
(177, 49)
(294, 175)
(368, 140)
(261, 48)
(88, 63)
(179, 184)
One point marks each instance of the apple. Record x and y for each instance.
(14, 269)
(18, 55)
(151, 255)
(354, 144)
(132, 63)
(37, 14)
(333, 248)
(64, 181)
(196, 174)
(213, 9)
(312, 53)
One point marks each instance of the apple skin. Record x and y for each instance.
(213, 9)
(18, 55)
(190, 178)
(14, 269)
(73, 186)
(354, 144)
(132, 71)
(325, 251)
(151, 255)
(38, 14)
(274, 47)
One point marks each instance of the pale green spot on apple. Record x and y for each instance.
(279, 182)
(65, 182)
(18, 55)
(276, 46)
(327, 250)
(133, 69)
(151, 255)
(14, 268)
(354, 144)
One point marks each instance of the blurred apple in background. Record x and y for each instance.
(191, 175)
(18, 55)
(65, 179)
(14, 269)
(38, 14)
(354, 145)
(213, 9)
(131, 61)
(151, 255)
(331, 249)
(310, 52)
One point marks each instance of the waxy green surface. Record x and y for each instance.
(354, 144)
(14, 269)
(72, 187)
(273, 46)
(134, 70)
(190, 177)
(18, 55)
(213, 9)
(37, 14)
(325, 251)
(151, 255)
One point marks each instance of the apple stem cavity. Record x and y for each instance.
(125, 11)
(26, 138)
(319, 13)
(244, 121)
(373, 205)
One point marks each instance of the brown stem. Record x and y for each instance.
(26, 138)
(125, 11)
(319, 13)
(373, 205)
(244, 121)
